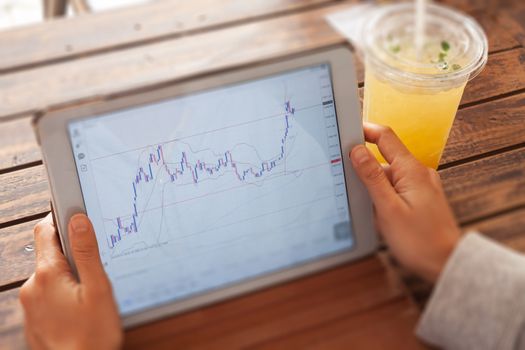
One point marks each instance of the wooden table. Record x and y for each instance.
(364, 305)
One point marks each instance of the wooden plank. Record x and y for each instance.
(11, 321)
(489, 6)
(17, 143)
(17, 258)
(499, 38)
(503, 74)
(271, 297)
(517, 7)
(508, 228)
(242, 326)
(465, 5)
(164, 62)
(389, 326)
(292, 316)
(486, 186)
(13, 340)
(486, 127)
(172, 60)
(513, 21)
(68, 37)
(24, 193)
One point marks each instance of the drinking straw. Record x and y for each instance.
(420, 27)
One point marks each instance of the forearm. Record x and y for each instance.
(479, 300)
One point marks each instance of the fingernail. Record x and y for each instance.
(79, 223)
(361, 154)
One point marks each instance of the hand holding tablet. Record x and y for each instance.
(216, 186)
(62, 312)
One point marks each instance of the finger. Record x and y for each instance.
(47, 245)
(388, 172)
(31, 339)
(388, 143)
(27, 299)
(374, 178)
(85, 252)
(26, 292)
(435, 179)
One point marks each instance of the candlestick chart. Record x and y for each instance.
(186, 167)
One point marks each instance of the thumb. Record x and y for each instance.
(373, 177)
(85, 252)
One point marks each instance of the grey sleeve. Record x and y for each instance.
(479, 300)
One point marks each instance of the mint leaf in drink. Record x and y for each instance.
(456, 66)
(395, 48)
(445, 46)
(441, 57)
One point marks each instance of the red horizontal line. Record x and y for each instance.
(334, 161)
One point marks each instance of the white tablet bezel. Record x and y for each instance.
(51, 130)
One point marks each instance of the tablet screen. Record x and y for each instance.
(209, 189)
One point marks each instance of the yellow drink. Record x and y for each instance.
(416, 89)
(422, 118)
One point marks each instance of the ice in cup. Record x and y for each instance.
(417, 91)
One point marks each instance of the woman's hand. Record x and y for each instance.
(412, 212)
(60, 311)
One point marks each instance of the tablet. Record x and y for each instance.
(217, 185)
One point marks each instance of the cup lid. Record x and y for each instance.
(455, 46)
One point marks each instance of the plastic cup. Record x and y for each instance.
(416, 93)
